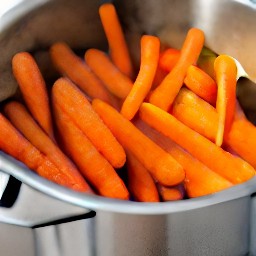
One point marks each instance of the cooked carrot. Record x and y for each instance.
(116, 82)
(164, 95)
(140, 182)
(159, 163)
(21, 149)
(70, 65)
(225, 73)
(203, 118)
(119, 51)
(230, 167)
(173, 193)
(150, 47)
(33, 89)
(76, 105)
(95, 168)
(169, 58)
(200, 180)
(23, 121)
(201, 83)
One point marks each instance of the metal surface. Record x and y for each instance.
(218, 224)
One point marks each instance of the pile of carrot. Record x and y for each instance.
(171, 130)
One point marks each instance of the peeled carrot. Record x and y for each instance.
(150, 47)
(230, 167)
(200, 180)
(116, 82)
(164, 95)
(226, 73)
(76, 105)
(201, 83)
(159, 163)
(69, 64)
(140, 182)
(203, 118)
(33, 88)
(96, 169)
(21, 149)
(23, 121)
(119, 51)
(171, 193)
(169, 58)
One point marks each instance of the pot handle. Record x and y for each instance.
(21, 204)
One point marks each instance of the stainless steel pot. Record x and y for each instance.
(218, 224)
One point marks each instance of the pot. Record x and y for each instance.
(217, 224)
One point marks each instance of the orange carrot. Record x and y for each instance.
(69, 64)
(203, 118)
(140, 182)
(164, 95)
(150, 46)
(96, 169)
(169, 58)
(230, 167)
(171, 193)
(225, 72)
(21, 149)
(116, 82)
(23, 121)
(201, 84)
(75, 104)
(119, 51)
(158, 162)
(200, 180)
(33, 88)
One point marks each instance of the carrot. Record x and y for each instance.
(150, 46)
(169, 58)
(203, 118)
(116, 82)
(95, 168)
(230, 167)
(75, 104)
(140, 182)
(119, 51)
(201, 83)
(225, 72)
(159, 163)
(33, 89)
(200, 180)
(21, 149)
(164, 95)
(70, 65)
(171, 193)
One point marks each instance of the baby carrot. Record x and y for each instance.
(21, 149)
(33, 88)
(201, 84)
(169, 58)
(69, 64)
(159, 163)
(140, 182)
(164, 95)
(230, 167)
(173, 193)
(95, 168)
(150, 46)
(200, 180)
(116, 82)
(203, 118)
(118, 48)
(225, 73)
(23, 121)
(76, 105)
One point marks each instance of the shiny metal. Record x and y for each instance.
(218, 224)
